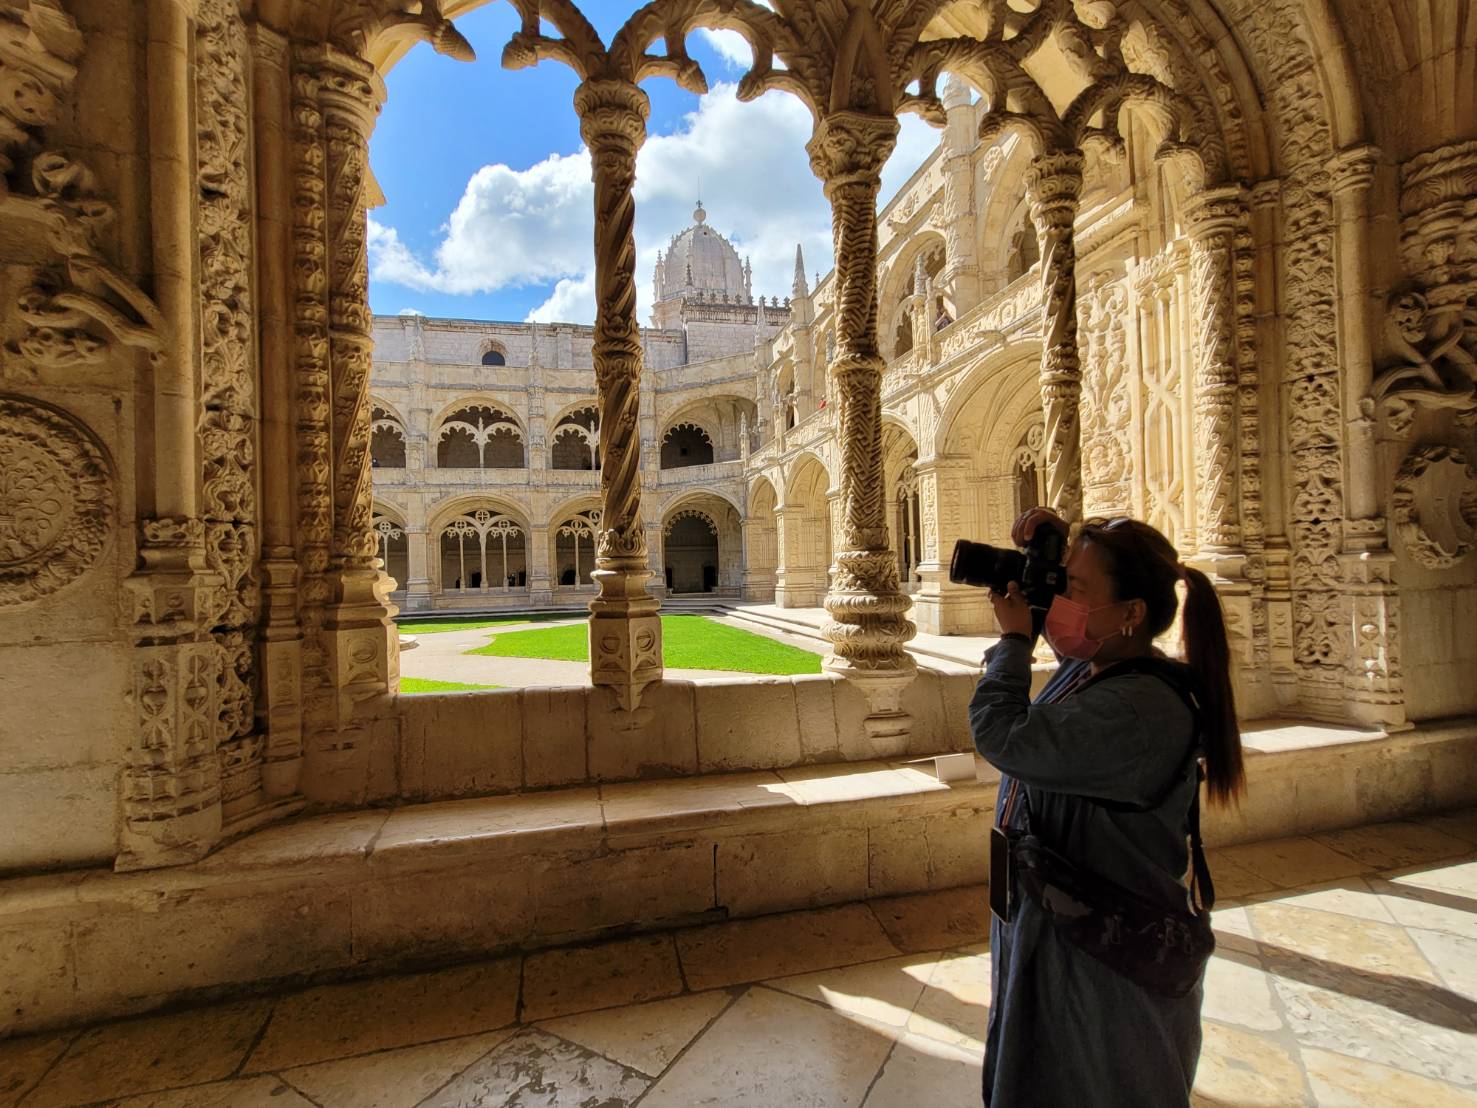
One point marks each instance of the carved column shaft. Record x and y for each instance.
(1053, 190)
(625, 631)
(171, 787)
(1214, 220)
(280, 640)
(312, 407)
(1352, 175)
(868, 624)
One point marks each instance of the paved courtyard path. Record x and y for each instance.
(1346, 975)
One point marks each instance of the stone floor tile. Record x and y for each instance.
(1427, 900)
(585, 978)
(1454, 958)
(955, 1005)
(1237, 992)
(935, 921)
(771, 1049)
(1341, 942)
(747, 950)
(1413, 1026)
(159, 1052)
(1234, 880)
(643, 1037)
(1247, 1070)
(23, 1062)
(1339, 1081)
(1396, 844)
(1348, 896)
(925, 1073)
(534, 1069)
(391, 1078)
(336, 1021)
(1290, 863)
(879, 993)
(1233, 929)
(1461, 824)
(266, 1091)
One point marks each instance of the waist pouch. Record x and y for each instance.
(1162, 951)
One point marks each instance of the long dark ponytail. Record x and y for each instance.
(1144, 565)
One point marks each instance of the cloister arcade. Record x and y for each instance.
(1246, 317)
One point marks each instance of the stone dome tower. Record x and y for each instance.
(699, 265)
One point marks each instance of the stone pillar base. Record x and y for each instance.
(888, 727)
(625, 635)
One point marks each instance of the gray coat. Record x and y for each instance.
(1064, 1028)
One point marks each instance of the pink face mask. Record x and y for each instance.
(1066, 628)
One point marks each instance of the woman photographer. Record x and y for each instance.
(1098, 797)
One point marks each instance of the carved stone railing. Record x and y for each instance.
(711, 473)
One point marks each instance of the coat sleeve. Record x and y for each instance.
(1108, 741)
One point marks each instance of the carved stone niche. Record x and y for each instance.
(57, 500)
(1435, 505)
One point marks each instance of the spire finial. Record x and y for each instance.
(798, 287)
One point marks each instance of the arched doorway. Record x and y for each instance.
(690, 551)
(761, 542)
(803, 574)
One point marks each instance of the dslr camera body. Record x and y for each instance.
(1037, 567)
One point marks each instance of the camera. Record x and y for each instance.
(1038, 567)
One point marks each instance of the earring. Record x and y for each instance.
(1127, 631)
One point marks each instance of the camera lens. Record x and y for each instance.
(984, 566)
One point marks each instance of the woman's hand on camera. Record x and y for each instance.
(1026, 526)
(1012, 612)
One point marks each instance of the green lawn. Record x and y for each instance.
(412, 685)
(431, 626)
(688, 642)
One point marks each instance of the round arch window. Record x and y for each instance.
(494, 357)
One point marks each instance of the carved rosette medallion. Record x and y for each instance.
(1434, 507)
(57, 503)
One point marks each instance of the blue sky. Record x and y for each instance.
(488, 212)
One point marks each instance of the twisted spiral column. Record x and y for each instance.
(1053, 190)
(625, 631)
(868, 624)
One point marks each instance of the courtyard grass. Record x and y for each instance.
(413, 685)
(688, 642)
(431, 626)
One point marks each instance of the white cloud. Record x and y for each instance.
(731, 46)
(516, 228)
(411, 311)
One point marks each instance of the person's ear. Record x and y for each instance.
(1134, 617)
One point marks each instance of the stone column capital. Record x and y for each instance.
(1216, 211)
(1353, 168)
(612, 115)
(349, 88)
(1053, 183)
(851, 148)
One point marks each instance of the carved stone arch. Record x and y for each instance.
(761, 496)
(1013, 367)
(693, 495)
(480, 435)
(687, 444)
(800, 466)
(469, 400)
(689, 512)
(444, 511)
(387, 436)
